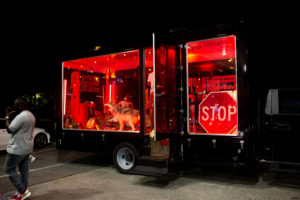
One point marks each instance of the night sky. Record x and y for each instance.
(34, 43)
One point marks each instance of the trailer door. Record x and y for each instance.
(165, 102)
(212, 87)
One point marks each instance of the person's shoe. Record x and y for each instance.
(26, 194)
(17, 196)
(14, 196)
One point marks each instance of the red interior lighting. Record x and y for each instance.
(214, 49)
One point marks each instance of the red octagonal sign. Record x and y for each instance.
(218, 113)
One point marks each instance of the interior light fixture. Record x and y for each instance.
(97, 48)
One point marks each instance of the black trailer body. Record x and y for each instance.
(177, 96)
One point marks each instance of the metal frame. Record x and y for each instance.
(154, 91)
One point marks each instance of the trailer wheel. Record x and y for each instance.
(124, 157)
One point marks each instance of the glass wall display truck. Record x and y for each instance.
(178, 97)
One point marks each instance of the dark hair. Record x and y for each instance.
(21, 103)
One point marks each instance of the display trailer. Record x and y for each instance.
(176, 98)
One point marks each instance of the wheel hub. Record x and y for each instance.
(125, 158)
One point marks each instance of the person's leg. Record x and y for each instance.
(23, 168)
(11, 164)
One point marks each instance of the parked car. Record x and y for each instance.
(40, 135)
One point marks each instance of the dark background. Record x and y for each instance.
(35, 38)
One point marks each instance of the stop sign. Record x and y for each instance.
(218, 113)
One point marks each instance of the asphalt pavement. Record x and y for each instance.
(63, 174)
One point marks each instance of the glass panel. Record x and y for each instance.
(102, 93)
(165, 92)
(212, 95)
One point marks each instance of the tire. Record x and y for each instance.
(124, 157)
(40, 140)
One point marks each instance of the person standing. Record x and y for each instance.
(19, 147)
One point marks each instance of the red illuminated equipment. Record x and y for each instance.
(75, 98)
(100, 80)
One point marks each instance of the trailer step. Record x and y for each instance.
(146, 166)
(149, 171)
